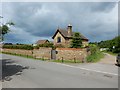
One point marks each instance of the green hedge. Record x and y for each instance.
(25, 47)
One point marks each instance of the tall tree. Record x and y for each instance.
(4, 29)
(76, 41)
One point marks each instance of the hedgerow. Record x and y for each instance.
(25, 47)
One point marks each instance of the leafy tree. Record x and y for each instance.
(110, 43)
(4, 29)
(76, 41)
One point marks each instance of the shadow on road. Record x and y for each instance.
(10, 68)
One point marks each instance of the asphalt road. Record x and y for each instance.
(19, 72)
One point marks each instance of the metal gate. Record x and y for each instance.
(53, 54)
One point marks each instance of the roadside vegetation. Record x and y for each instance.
(112, 46)
(24, 46)
(111, 53)
(4, 28)
(95, 54)
(67, 61)
(26, 56)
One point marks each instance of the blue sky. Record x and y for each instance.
(34, 21)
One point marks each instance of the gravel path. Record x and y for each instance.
(108, 59)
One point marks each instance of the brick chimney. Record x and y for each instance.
(69, 29)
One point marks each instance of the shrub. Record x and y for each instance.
(95, 55)
(26, 47)
(46, 45)
(36, 47)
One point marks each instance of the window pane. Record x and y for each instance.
(58, 39)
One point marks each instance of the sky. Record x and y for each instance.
(36, 20)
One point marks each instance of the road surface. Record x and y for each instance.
(19, 72)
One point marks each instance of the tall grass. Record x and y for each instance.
(95, 55)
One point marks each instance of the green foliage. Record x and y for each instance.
(95, 55)
(46, 45)
(93, 49)
(76, 41)
(4, 29)
(36, 47)
(26, 56)
(67, 61)
(25, 47)
(110, 43)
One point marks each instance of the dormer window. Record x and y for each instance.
(59, 40)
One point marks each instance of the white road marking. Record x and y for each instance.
(88, 69)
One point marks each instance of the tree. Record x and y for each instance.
(4, 29)
(115, 42)
(76, 40)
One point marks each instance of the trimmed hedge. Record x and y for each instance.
(25, 47)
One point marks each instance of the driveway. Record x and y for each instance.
(105, 65)
(21, 72)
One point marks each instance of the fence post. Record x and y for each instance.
(74, 60)
(43, 58)
(83, 60)
(62, 60)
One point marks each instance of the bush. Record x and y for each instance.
(95, 55)
(36, 47)
(46, 45)
(26, 47)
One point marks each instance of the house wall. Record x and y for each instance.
(62, 39)
(84, 43)
(71, 54)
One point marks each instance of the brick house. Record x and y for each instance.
(64, 37)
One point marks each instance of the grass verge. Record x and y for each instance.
(95, 57)
(67, 61)
(111, 53)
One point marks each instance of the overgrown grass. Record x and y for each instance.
(26, 56)
(95, 57)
